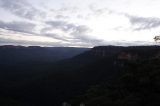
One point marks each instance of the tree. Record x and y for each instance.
(156, 38)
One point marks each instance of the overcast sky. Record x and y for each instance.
(79, 23)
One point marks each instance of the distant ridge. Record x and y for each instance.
(36, 54)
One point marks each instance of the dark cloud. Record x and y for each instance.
(74, 30)
(45, 30)
(142, 23)
(66, 26)
(78, 33)
(62, 25)
(61, 17)
(28, 43)
(17, 26)
(21, 8)
(58, 24)
(56, 36)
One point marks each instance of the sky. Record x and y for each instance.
(77, 23)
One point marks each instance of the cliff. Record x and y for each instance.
(127, 53)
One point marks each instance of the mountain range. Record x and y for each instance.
(38, 76)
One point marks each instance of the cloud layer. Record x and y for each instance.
(70, 23)
(21, 8)
(18, 26)
(143, 23)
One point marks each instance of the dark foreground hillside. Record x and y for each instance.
(137, 85)
(106, 75)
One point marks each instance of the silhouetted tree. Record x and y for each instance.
(156, 38)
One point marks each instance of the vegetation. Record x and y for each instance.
(138, 85)
(156, 38)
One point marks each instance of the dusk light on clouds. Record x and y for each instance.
(79, 23)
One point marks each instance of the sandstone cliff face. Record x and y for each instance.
(105, 51)
(127, 53)
(127, 56)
